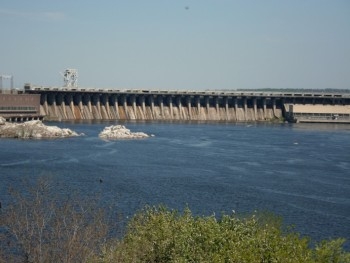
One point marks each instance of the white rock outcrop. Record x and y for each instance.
(33, 129)
(120, 132)
(2, 121)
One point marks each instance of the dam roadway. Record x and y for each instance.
(111, 104)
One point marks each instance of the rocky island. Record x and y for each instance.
(32, 130)
(121, 132)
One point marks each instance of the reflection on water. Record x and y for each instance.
(299, 171)
(327, 127)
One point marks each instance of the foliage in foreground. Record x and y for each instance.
(38, 228)
(161, 235)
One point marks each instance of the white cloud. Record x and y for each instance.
(47, 16)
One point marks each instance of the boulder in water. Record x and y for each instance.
(120, 132)
(33, 129)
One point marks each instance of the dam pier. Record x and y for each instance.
(232, 106)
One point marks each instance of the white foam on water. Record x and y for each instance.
(16, 163)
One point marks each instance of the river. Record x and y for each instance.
(298, 171)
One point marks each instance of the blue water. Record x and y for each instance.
(298, 171)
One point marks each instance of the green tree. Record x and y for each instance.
(158, 234)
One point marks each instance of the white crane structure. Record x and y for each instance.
(70, 78)
(2, 77)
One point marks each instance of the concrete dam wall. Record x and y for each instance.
(233, 106)
(179, 107)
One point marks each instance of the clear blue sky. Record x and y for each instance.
(178, 44)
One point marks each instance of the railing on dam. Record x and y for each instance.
(65, 104)
(29, 87)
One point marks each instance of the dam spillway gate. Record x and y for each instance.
(91, 104)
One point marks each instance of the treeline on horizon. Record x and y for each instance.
(303, 90)
(293, 90)
(39, 226)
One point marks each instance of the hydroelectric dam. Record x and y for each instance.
(59, 104)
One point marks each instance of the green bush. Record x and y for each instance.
(158, 234)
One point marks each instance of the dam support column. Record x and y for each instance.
(89, 98)
(106, 99)
(45, 106)
(217, 104)
(160, 103)
(60, 103)
(98, 105)
(63, 106)
(103, 106)
(245, 108)
(151, 102)
(226, 108)
(71, 104)
(179, 105)
(55, 106)
(207, 105)
(79, 102)
(189, 106)
(170, 102)
(116, 106)
(125, 106)
(87, 102)
(198, 103)
(282, 103)
(274, 107)
(264, 108)
(133, 103)
(255, 109)
(235, 102)
(143, 106)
